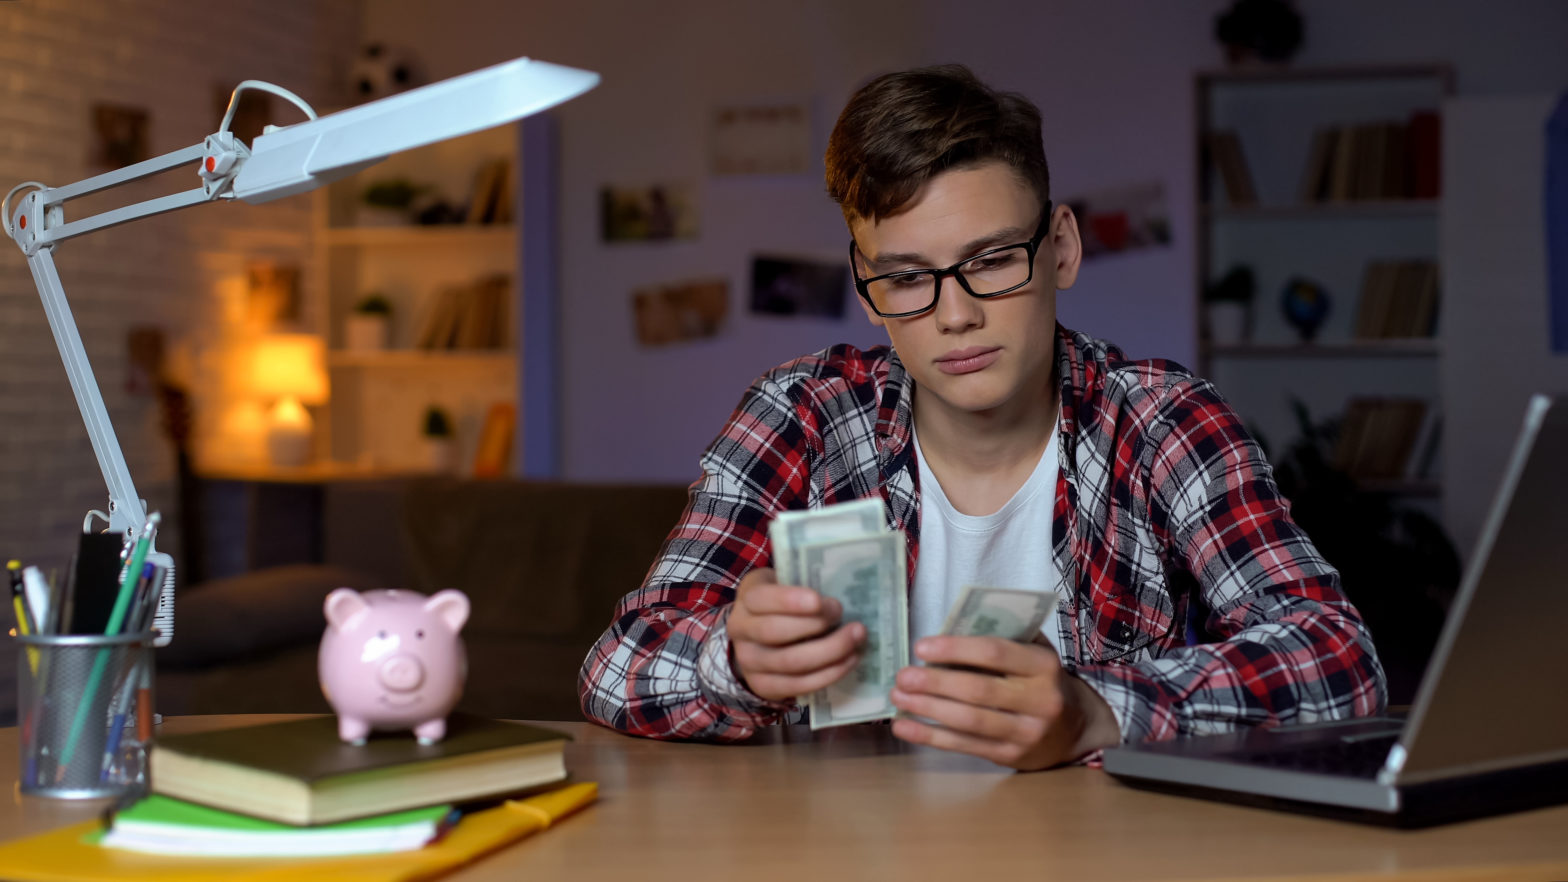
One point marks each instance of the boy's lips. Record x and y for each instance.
(967, 361)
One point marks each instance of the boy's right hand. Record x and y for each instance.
(786, 639)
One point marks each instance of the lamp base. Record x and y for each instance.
(288, 448)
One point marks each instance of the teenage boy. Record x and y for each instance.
(1012, 452)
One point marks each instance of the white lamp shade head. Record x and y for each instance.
(306, 155)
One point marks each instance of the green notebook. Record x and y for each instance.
(164, 825)
(299, 772)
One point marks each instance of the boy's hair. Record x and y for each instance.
(902, 129)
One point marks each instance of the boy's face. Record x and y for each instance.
(968, 354)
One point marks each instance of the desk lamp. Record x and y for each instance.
(280, 162)
(288, 371)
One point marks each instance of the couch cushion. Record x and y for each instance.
(254, 613)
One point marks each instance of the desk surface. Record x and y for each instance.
(855, 803)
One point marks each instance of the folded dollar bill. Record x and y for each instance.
(1011, 613)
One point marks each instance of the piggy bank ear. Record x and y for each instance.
(343, 606)
(450, 606)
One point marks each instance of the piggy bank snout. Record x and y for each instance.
(401, 673)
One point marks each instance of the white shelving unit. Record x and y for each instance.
(379, 398)
(1275, 115)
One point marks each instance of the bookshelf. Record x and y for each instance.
(450, 278)
(1327, 175)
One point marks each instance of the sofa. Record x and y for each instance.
(542, 563)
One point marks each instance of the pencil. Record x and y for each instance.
(13, 569)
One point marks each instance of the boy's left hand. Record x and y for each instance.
(1014, 705)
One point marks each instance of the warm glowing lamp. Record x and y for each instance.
(288, 371)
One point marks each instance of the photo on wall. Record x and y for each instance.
(121, 136)
(793, 286)
(653, 212)
(760, 139)
(272, 295)
(1121, 219)
(680, 311)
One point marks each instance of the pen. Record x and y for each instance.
(122, 601)
(123, 697)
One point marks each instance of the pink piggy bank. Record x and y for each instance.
(393, 660)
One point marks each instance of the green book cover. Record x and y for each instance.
(166, 811)
(309, 749)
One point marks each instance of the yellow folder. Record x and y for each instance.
(63, 855)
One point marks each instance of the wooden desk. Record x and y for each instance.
(854, 803)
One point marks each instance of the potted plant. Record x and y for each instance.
(440, 445)
(1227, 308)
(369, 326)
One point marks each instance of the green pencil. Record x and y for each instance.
(122, 602)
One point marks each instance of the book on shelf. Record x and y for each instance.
(493, 454)
(299, 772)
(467, 316)
(491, 197)
(160, 824)
(1225, 152)
(1377, 436)
(1399, 299)
(1385, 160)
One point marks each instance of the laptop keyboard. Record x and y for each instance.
(1356, 759)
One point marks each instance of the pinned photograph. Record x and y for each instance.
(1122, 219)
(658, 211)
(790, 286)
(761, 139)
(121, 136)
(272, 299)
(689, 310)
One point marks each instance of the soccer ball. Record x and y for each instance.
(382, 70)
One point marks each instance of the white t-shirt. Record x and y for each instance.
(1010, 548)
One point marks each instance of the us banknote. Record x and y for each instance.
(866, 575)
(1010, 613)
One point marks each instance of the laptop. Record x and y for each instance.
(1488, 730)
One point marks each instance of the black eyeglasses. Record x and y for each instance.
(988, 274)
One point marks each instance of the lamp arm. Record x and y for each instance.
(126, 512)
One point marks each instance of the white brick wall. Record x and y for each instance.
(58, 58)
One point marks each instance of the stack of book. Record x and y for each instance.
(472, 316)
(1399, 298)
(294, 789)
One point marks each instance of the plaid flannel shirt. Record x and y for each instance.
(1162, 501)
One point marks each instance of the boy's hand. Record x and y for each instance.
(1015, 706)
(785, 639)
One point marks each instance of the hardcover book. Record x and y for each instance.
(299, 772)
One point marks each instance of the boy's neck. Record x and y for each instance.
(981, 459)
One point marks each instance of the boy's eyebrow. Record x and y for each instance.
(1004, 236)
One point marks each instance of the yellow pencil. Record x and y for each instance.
(24, 630)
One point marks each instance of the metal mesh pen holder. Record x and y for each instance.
(78, 698)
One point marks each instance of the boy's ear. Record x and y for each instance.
(1066, 245)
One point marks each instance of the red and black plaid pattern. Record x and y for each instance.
(1161, 494)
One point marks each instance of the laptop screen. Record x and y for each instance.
(1494, 694)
